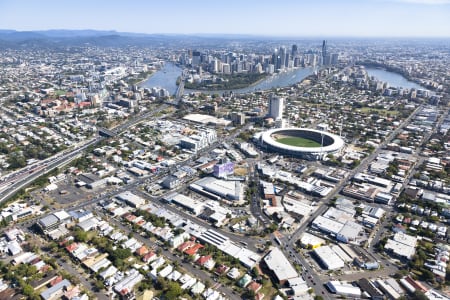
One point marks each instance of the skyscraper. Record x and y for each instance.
(196, 58)
(294, 51)
(276, 107)
(282, 57)
(324, 51)
(334, 59)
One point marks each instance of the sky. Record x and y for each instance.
(289, 18)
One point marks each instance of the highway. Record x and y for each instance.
(60, 160)
(17, 180)
(24, 178)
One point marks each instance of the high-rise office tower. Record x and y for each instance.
(324, 50)
(276, 107)
(286, 60)
(334, 59)
(294, 51)
(282, 57)
(196, 58)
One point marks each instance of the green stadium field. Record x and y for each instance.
(298, 142)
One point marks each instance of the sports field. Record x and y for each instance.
(298, 142)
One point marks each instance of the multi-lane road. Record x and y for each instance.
(23, 178)
(13, 182)
(288, 240)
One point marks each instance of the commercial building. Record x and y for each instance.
(230, 190)
(328, 258)
(53, 221)
(192, 205)
(327, 225)
(349, 232)
(131, 199)
(248, 149)
(280, 266)
(402, 245)
(374, 212)
(238, 118)
(206, 119)
(171, 182)
(276, 107)
(308, 240)
(339, 224)
(343, 289)
(369, 288)
(387, 289)
(222, 170)
(200, 140)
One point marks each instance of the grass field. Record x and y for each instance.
(298, 142)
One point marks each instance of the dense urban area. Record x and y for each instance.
(224, 169)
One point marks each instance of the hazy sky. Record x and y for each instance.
(367, 18)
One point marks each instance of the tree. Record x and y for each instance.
(255, 272)
(249, 294)
(161, 284)
(428, 275)
(358, 211)
(355, 163)
(16, 161)
(80, 236)
(418, 295)
(27, 290)
(98, 284)
(120, 253)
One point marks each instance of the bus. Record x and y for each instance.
(278, 241)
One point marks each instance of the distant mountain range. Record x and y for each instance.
(65, 37)
(76, 37)
(110, 38)
(63, 33)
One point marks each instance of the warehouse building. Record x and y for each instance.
(308, 240)
(343, 289)
(402, 245)
(192, 205)
(131, 199)
(53, 221)
(370, 289)
(328, 258)
(327, 225)
(226, 189)
(279, 265)
(349, 232)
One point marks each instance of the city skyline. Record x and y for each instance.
(349, 18)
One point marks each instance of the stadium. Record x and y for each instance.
(301, 142)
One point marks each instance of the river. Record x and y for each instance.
(278, 80)
(394, 79)
(167, 77)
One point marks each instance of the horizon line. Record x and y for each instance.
(206, 34)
